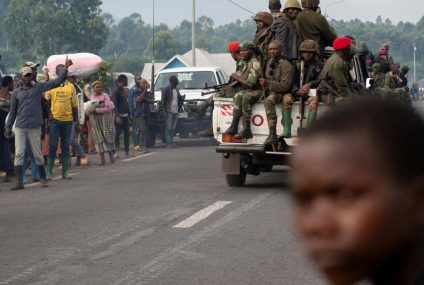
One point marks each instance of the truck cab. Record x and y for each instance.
(193, 82)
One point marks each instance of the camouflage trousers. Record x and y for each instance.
(269, 104)
(243, 102)
(226, 92)
(313, 102)
(398, 94)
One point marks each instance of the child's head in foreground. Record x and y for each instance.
(358, 178)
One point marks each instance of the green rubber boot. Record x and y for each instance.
(287, 124)
(65, 168)
(312, 116)
(50, 164)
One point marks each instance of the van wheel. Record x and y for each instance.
(236, 180)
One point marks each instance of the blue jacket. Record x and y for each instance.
(131, 99)
(26, 103)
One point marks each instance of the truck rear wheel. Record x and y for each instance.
(237, 180)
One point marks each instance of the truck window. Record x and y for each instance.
(223, 78)
(188, 80)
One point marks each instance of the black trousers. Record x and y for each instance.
(124, 127)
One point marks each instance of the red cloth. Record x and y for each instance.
(342, 43)
(233, 47)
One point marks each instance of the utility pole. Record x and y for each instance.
(193, 34)
(153, 53)
(415, 62)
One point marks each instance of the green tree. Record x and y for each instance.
(165, 46)
(56, 26)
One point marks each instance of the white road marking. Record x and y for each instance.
(202, 214)
(138, 157)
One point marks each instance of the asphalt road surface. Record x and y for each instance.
(163, 218)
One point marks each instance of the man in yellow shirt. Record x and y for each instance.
(63, 104)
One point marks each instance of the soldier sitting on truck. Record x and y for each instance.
(251, 93)
(307, 76)
(393, 86)
(278, 80)
(377, 81)
(227, 92)
(336, 80)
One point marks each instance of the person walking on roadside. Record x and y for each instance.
(172, 103)
(6, 164)
(26, 110)
(102, 123)
(144, 99)
(122, 113)
(132, 106)
(63, 104)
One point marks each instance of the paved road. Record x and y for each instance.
(165, 218)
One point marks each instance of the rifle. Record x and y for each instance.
(215, 88)
(302, 103)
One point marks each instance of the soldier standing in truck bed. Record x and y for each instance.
(285, 31)
(313, 26)
(336, 81)
(263, 35)
(279, 76)
(307, 77)
(275, 8)
(251, 93)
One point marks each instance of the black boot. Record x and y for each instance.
(43, 176)
(232, 130)
(272, 138)
(19, 182)
(246, 132)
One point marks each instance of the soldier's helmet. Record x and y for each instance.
(376, 67)
(310, 3)
(264, 17)
(309, 45)
(292, 4)
(404, 68)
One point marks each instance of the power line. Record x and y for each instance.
(241, 7)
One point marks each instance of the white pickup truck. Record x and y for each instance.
(252, 156)
(240, 158)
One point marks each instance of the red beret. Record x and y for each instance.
(233, 47)
(342, 43)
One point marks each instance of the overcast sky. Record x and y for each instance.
(172, 12)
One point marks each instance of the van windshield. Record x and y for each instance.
(187, 80)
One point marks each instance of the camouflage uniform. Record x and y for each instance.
(280, 76)
(313, 26)
(337, 74)
(245, 98)
(393, 89)
(263, 37)
(377, 86)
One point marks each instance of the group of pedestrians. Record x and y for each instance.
(42, 121)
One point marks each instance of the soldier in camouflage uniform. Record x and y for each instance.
(377, 81)
(251, 93)
(393, 86)
(275, 8)
(336, 73)
(227, 92)
(313, 26)
(263, 36)
(284, 30)
(312, 68)
(278, 80)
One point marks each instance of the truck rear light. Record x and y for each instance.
(231, 139)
